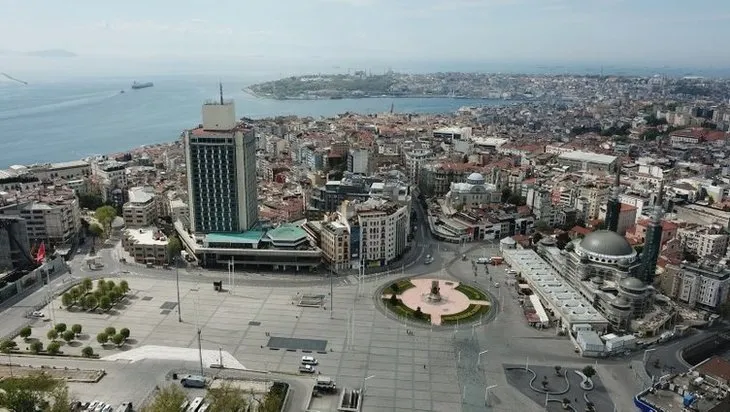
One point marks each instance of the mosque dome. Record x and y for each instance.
(475, 179)
(606, 242)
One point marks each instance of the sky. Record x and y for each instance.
(630, 32)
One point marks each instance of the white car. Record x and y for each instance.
(37, 314)
(309, 360)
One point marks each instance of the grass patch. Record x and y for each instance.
(402, 310)
(471, 292)
(400, 286)
(473, 311)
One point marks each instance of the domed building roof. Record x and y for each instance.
(632, 283)
(475, 179)
(606, 242)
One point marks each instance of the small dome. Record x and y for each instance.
(632, 283)
(621, 302)
(475, 179)
(597, 280)
(606, 242)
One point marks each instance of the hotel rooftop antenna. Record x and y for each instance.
(220, 87)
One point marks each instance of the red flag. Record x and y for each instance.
(41, 253)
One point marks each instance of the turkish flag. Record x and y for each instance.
(41, 253)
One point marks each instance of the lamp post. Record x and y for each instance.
(486, 394)
(479, 357)
(177, 284)
(365, 380)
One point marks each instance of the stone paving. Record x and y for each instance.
(451, 300)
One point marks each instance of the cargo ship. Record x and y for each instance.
(136, 85)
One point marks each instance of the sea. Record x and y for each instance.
(54, 121)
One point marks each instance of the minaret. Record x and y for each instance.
(613, 206)
(220, 87)
(653, 242)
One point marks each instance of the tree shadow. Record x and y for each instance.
(82, 336)
(74, 344)
(131, 341)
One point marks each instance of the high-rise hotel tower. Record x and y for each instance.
(220, 157)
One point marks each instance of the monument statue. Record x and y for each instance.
(435, 295)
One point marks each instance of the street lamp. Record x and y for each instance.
(363, 383)
(486, 394)
(177, 284)
(479, 358)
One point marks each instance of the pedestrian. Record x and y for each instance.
(424, 366)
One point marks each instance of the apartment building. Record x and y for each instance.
(588, 162)
(704, 241)
(384, 227)
(335, 244)
(141, 210)
(703, 285)
(53, 217)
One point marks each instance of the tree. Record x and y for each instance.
(110, 285)
(76, 293)
(542, 226)
(25, 332)
(114, 295)
(90, 302)
(101, 286)
(60, 327)
(118, 339)
(102, 338)
(67, 300)
(124, 332)
(589, 371)
(506, 193)
(557, 369)
(226, 398)
(105, 303)
(36, 392)
(87, 284)
(87, 352)
(36, 347)
(393, 299)
(105, 215)
(52, 334)
(95, 231)
(53, 348)
(536, 238)
(7, 346)
(418, 314)
(394, 288)
(174, 246)
(110, 331)
(167, 399)
(125, 286)
(68, 336)
(76, 328)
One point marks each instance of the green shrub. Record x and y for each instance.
(473, 311)
(54, 348)
(87, 352)
(471, 292)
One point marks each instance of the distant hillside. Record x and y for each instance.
(51, 53)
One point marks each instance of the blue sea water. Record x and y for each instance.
(67, 120)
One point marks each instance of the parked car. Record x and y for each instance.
(309, 360)
(306, 369)
(429, 260)
(193, 381)
(37, 314)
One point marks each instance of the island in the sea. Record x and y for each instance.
(390, 84)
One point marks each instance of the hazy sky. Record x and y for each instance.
(673, 32)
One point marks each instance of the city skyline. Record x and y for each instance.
(569, 31)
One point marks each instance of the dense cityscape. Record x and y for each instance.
(567, 250)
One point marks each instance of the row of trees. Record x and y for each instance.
(107, 293)
(110, 335)
(225, 398)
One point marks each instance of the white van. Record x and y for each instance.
(309, 360)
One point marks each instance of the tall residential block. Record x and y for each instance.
(221, 170)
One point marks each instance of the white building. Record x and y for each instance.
(703, 285)
(358, 161)
(54, 219)
(384, 227)
(473, 193)
(449, 134)
(415, 157)
(570, 307)
(588, 162)
(702, 240)
(73, 170)
(141, 209)
(146, 245)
